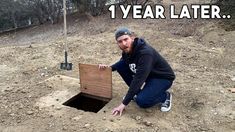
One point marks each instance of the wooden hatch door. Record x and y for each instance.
(94, 81)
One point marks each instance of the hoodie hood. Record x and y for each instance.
(137, 44)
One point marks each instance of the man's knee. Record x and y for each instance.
(143, 103)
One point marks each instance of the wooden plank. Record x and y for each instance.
(94, 81)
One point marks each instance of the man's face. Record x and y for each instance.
(125, 43)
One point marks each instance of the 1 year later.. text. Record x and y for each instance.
(157, 12)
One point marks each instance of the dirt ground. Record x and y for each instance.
(33, 88)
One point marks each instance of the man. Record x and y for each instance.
(141, 64)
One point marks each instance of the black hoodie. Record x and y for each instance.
(145, 62)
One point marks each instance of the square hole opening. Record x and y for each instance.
(86, 102)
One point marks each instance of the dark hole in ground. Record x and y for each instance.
(87, 102)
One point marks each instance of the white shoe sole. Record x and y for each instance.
(163, 109)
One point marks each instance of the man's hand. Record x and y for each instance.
(102, 66)
(118, 109)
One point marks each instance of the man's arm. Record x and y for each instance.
(114, 66)
(144, 66)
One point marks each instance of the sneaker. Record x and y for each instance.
(166, 106)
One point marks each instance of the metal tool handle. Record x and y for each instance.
(65, 57)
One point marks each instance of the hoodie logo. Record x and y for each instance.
(132, 67)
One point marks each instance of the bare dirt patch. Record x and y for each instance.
(33, 88)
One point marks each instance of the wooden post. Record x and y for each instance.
(65, 26)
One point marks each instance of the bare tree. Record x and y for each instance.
(95, 7)
(10, 13)
(46, 10)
